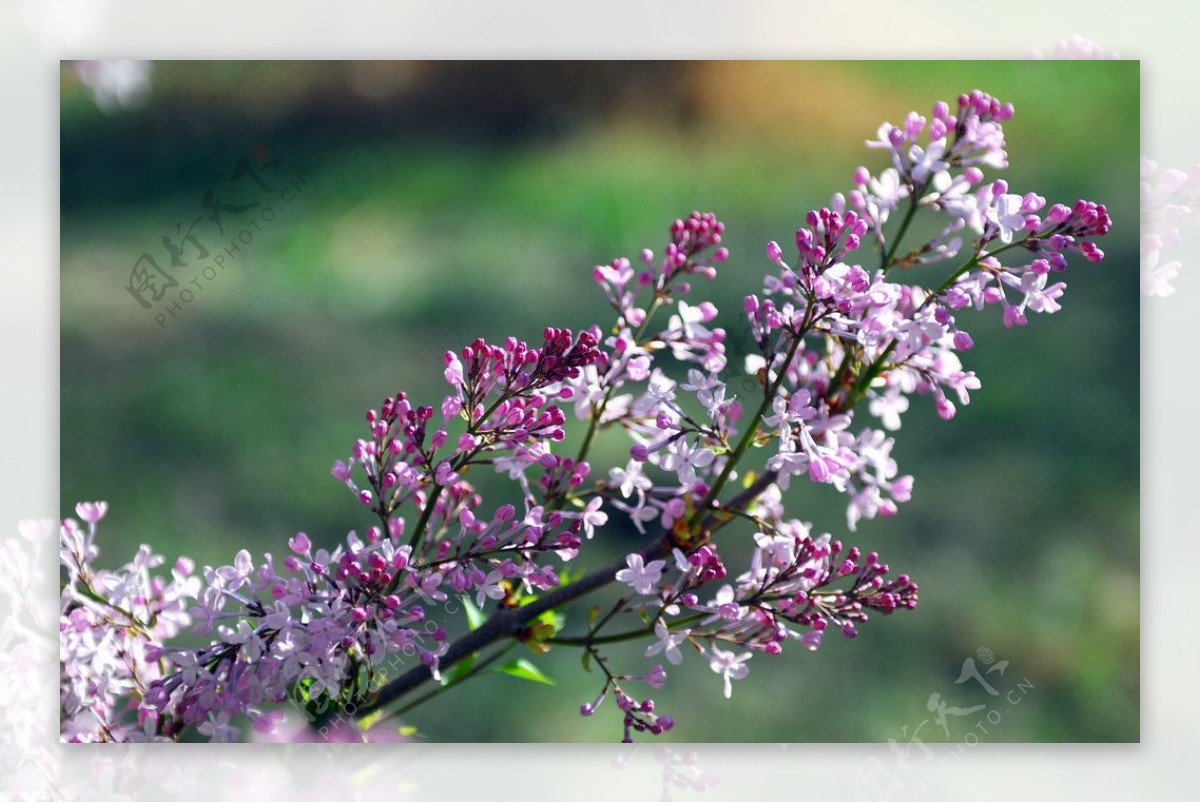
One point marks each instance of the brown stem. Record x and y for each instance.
(505, 623)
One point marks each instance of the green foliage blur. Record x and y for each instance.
(449, 201)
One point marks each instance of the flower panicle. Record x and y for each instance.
(837, 354)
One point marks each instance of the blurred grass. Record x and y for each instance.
(446, 202)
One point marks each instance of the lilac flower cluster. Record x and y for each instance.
(352, 630)
(322, 627)
(1076, 48)
(112, 629)
(795, 587)
(506, 396)
(1170, 200)
(831, 334)
(28, 653)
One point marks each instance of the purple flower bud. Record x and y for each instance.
(1058, 214)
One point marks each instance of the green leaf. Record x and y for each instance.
(460, 670)
(554, 618)
(521, 668)
(475, 616)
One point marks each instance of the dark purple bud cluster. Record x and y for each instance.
(830, 237)
(1067, 229)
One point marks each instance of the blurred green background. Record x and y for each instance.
(453, 200)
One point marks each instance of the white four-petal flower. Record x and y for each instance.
(642, 576)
